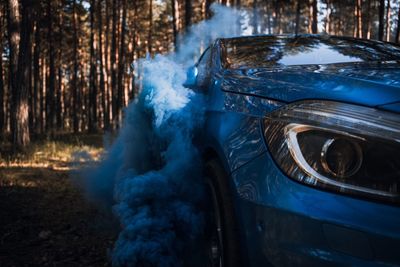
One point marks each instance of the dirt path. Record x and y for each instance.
(45, 221)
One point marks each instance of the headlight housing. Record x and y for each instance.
(336, 146)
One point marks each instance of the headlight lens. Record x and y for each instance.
(336, 146)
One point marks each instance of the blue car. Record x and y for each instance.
(302, 150)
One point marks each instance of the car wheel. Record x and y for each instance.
(222, 238)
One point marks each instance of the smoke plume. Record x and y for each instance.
(152, 173)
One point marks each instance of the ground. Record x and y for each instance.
(44, 218)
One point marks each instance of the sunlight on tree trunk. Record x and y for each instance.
(92, 86)
(13, 39)
(328, 17)
(388, 31)
(21, 135)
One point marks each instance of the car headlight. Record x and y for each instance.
(342, 147)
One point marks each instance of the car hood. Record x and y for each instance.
(369, 84)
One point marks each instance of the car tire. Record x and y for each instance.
(222, 231)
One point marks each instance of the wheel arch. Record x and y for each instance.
(211, 153)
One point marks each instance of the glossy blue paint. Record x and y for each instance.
(343, 82)
(283, 222)
(303, 226)
(394, 107)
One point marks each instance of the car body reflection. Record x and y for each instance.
(348, 89)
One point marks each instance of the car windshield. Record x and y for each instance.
(273, 51)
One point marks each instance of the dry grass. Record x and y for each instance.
(62, 152)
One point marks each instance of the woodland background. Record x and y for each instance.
(65, 65)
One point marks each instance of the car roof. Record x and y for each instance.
(256, 37)
(261, 51)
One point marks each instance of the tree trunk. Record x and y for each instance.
(50, 100)
(174, 29)
(150, 32)
(277, 17)
(188, 14)
(207, 4)
(328, 17)
(21, 135)
(367, 21)
(92, 87)
(75, 93)
(298, 9)
(114, 62)
(255, 18)
(58, 108)
(36, 77)
(107, 65)
(359, 19)
(133, 57)
(121, 65)
(355, 19)
(106, 116)
(388, 32)
(42, 89)
(381, 19)
(13, 41)
(339, 24)
(314, 26)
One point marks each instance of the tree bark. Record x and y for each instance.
(314, 26)
(114, 62)
(357, 30)
(298, 9)
(75, 93)
(106, 116)
(42, 94)
(50, 99)
(381, 19)
(355, 20)
(367, 21)
(13, 41)
(59, 91)
(135, 38)
(277, 17)
(107, 65)
(359, 19)
(328, 17)
(21, 134)
(255, 18)
(150, 32)
(92, 87)
(207, 4)
(121, 65)
(188, 14)
(388, 32)
(36, 77)
(174, 29)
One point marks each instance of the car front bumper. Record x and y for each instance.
(285, 223)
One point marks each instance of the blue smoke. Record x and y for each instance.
(152, 173)
(159, 193)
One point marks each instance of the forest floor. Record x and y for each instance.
(44, 218)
